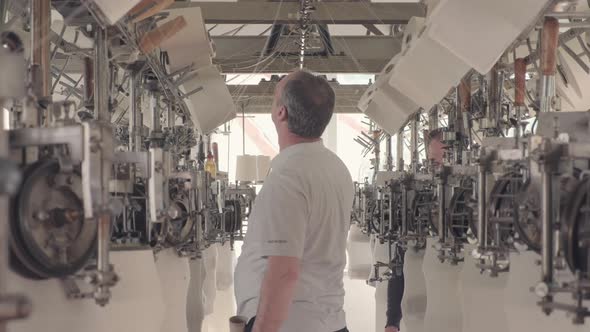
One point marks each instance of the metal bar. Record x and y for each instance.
(414, 142)
(388, 153)
(482, 216)
(134, 129)
(442, 216)
(400, 150)
(324, 13)
(404, 207)
(547, 221)
(102, 292)
(575, 56)
(101, 76)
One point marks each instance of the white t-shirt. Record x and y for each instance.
(303, 210)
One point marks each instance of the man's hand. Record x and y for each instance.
(278, 285)
(391, 329)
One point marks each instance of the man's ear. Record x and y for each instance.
(282, 115)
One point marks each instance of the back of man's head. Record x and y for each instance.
(309, 100)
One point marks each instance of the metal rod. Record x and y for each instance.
(547, 229)
(155, 110)
(482, 216)
(400, 150)
(3, 10)
(88, 82)
(404, 207)
(377, 151)
(388, 153)
(102, 292)
(134, 124)
(40, 46)
(442, 217)
(414, 142)
(101, 76)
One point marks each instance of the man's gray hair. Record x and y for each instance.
(309, 100)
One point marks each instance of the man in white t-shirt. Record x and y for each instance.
(289, 277)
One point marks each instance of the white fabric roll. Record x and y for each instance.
(174, 276)
(210, 282)
(522, 312)
(443, 308)
(195, 310)
(479, 291)
(136, 303)
(359, 254)
(225, 267)
(415, 297)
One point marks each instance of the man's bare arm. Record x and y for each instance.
(276, 295)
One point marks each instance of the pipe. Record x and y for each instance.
(376, 134)
(3, 10)
(135, 123)
(519, 92)
(493, 101)
(381, 200)
(101, 76)
(88, 83)
(482, 216)
(400, 150)
(102, 292)
(155, 108)
(388, 152)
(40, 57)
(549, 43)
(547, 229)
(465, 106)
(442, 217)
(414, 142)
(404, 207)
(390, 209)
(433, 118)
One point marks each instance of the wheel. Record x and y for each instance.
(576, 229)
(179, 229)
(460, 215)
(527, 224)
(502, 207)
(49, 236)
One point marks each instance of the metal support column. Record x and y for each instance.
(482, 216)
(388, 153)
(414, 142)
(400, 150)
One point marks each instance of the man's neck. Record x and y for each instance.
(290, 139)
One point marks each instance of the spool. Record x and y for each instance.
(519, 81)
(465, 94)
(549, 39)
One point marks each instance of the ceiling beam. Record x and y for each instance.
(258, 99)
(241, 55)
(352, 54)
(373, 29)
(288, 12)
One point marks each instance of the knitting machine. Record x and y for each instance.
(111, 153)
(511, 174)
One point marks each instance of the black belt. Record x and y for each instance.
(250, 326)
